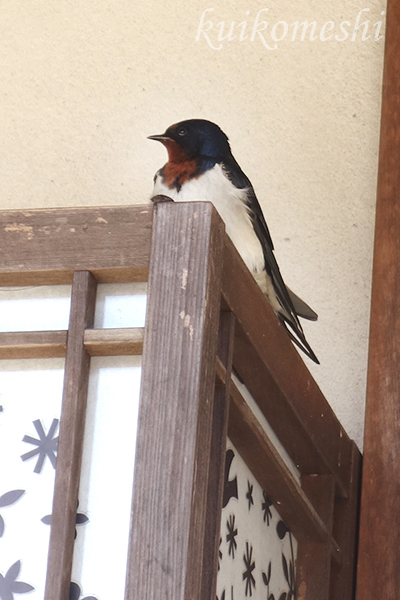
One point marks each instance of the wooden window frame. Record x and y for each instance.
(205, 317)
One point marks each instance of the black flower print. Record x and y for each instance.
(288, 571)
(249, 494)
(281, 529)
(266, 577)
(231, 535)
(250, 565)
(219, 553)
(288, 567)
(258, 558)
(230, 485)
(265, 507)
(223, 595)
(75, 593)
(46, 445)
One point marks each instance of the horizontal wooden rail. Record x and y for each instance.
(33, 344)
(47, 246)
(280, 382)
(51, 344)
(274, 476)
(114, 342)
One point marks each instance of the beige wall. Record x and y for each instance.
(83, 84)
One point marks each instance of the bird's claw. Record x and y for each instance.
(161, 198)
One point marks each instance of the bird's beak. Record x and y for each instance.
(158, 138)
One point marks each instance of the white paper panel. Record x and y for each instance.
(120, 305)
(30, 400)
(257, 551)
(101, 545)
(267, 427)
(38, 308)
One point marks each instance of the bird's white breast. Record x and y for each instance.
(213, 186)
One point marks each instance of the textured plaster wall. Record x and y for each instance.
(83, 84)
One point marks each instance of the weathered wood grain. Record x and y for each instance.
(50, 344)
(274, 476)
(218, 452)
(47, 246)
(279, 381)
(313, 559)
(114, 342)
(167, 557)
(345, 532)
(33, 344)
(70, 445)
(186, 382)
(379, 555)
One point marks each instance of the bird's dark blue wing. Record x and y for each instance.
(241, 181)
(288, 316)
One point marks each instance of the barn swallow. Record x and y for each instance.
(201, 167)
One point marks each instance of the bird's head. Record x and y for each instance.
(194, 139)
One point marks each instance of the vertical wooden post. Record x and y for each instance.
(217, 454)
(345, 532)
(379, 547)
(70, 446)
(313, 559)
(167, 538)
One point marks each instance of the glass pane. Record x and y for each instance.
(30, 406)
(120, 305)
(37, 308)
(103, 518)
(257, 552)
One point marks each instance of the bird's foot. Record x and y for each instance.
(161, 198)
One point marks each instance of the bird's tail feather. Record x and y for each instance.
(297, 336)
(302, 309)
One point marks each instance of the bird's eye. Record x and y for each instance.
(182, 131)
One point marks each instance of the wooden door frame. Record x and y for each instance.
(379, 546)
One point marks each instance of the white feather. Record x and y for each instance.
(214, 186)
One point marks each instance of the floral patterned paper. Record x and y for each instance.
(257, 552)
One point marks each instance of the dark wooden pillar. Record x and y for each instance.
(379, 546)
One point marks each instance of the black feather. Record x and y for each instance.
(288, 317)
